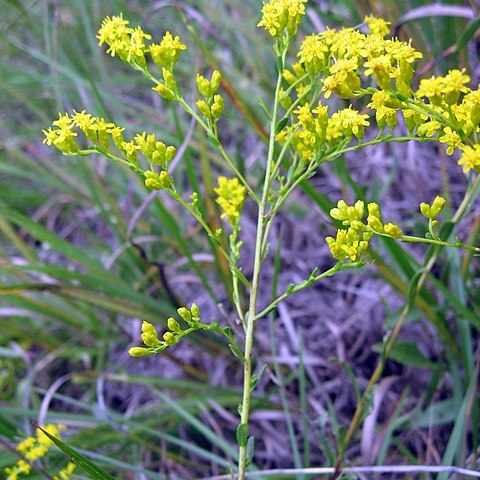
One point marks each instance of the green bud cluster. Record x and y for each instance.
(153, 344)
(192, 316)
(211, 106)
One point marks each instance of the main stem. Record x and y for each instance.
(250, 320)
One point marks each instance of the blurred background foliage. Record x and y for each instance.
(86, 253)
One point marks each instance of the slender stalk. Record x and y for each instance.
(410, 239)
(250, 320)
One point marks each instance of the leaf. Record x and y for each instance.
(264, 108)
(467, 34)
(242, 434)
(280, 125)
(350, 374)
(290, 288)
(255, 378)
(93, 470)
(236, 352)
(250, 451)
(213, 140)
(407, 353)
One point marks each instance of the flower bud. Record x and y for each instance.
(148, 328)
(170, 153)
(217, 106)
(373, 209)
(204, 86)
(392, 230)
(375, 224)
(163, 91)
(426, 210)
(173, 325)
(169, 79)
(215, 81)
(195, 310)
(150, 340)
(139, 352)
(437, 206)
(202, 105)
(169, 338)
(185, 314)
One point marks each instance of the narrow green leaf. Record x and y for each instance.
(280, 125)
(250, 450)
(93, 470)
(407, 353)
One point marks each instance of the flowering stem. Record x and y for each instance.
(251, 316)
(393, 336)
(211, 133)
(207, 228)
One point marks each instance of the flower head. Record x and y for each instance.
(167, 52)
(231, 197)
(470, 158)
(281, 15)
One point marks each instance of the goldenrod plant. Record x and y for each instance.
(373, 74)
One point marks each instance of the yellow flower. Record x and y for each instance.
(454, 84)
(167, 52)
(377, 26)
(231, 197)
(470, 158)
(381, 68)
(383, 103)
(402, 51)
(472, 105)
(26, 444)
(352, 122)
(280, 15)
(452, 139)
(126, 42)
(115, 33)
(65, 473)
(312, 53)
(432, 88)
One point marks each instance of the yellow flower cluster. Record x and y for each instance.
(315, 130)
(33, 448)
(279, 16)
(351, 242)
(338, 60)
(129, 43)
(99, 133)
(153, 344)
(231, 197)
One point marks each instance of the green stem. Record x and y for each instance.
(207, 228)
(410, 239)
(250, 320)
(236, 292)
(328, 273)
